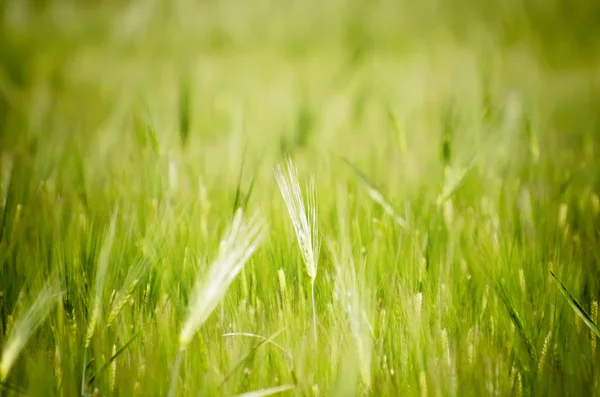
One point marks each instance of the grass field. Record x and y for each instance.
(304, 198)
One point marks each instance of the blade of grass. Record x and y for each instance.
(516, 319)
(252, 183)
(184, 110)
(576, 306)
(376, 194)
(248, 355)
(101, 271)
(267, 392)
(114, 356)
(250, 335)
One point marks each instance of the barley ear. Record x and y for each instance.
(303, 217)
(304, 221)
(237, 246)
(26, 324)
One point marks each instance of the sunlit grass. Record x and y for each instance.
(425, 190)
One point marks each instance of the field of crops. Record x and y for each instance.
(311, 198)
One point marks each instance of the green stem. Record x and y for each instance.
(175, 375)
(314, 315)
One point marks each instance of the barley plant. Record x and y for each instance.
(299, 198)
(304, 219)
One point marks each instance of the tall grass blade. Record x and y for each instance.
(184, 111)
(516, 319)
(101, 272)
(268, 340)
(238, 189)
(576, 306)
(113, 358)
(249, 355)
(376, 194)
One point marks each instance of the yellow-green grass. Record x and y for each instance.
(454, 153)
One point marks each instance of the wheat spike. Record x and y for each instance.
(304, 220)
(26, 324)
(304, 217)
(239, 243)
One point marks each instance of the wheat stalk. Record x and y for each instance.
(356, 305)
(304, 221)
(355, 299)
(237, 246)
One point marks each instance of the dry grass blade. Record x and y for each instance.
(239, 243)
(576, 306)
(263, 338)
(26, 325)
(267, 392)
(249, 355)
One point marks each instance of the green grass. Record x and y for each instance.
(146, 247)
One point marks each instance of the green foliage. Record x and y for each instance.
(451, 150)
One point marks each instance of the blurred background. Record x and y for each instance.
(263, 77)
